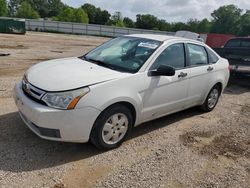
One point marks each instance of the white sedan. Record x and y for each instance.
(101, 96)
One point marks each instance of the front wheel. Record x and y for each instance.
(212, 99)
(112, 127)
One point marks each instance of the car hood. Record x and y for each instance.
(69, 73)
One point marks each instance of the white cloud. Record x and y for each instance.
(170, 10)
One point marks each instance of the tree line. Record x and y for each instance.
(227, 19)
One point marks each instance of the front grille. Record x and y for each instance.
(32, 92)
(33, 98)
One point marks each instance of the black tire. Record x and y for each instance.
(205, 106)
(96, 137)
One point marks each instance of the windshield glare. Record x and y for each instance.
(124, 53)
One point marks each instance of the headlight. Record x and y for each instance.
(65, 100)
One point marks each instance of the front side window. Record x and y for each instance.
(123, 53)
(173, 56)
(197, 55)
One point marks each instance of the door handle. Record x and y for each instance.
(210, 68)
(182, 75)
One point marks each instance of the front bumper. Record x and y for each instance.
(53, 124)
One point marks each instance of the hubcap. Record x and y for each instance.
(115, 128)
(213, 98)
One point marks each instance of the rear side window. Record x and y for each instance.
(197, 55)
(245, 43)
(233, 43)
(212, 57)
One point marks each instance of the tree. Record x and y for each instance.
(119, 23)
(162, 25)
(146, 21)
(91, 11)
(96, 15)
(13, 6)
(67, 15)
(244, 24)
(55, 7)
(45, 8)
(178, 26)
(116, 20)
(73, 15)
(26, 11)
(41, 6)
(3, 8)
(192, 25)
(102, 18)
(117, 16)
(80, 16)
(204, 26)
(226, 19)
(128, 22)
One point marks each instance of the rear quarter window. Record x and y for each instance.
(212, 57)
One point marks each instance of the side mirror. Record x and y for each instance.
(163, 70)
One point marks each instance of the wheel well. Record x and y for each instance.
(129, 106)
(219, 84)
(126, 104)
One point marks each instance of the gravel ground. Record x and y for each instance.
(186, 149)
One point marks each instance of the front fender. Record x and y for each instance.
(134, 103)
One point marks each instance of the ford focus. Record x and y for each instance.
(100, 96)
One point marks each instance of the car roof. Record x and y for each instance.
(158, 37)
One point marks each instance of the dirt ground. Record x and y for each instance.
(186, 149)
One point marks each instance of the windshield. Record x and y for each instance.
(123, 53)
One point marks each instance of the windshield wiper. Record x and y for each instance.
(101, 63)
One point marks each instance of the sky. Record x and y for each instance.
(170, 10)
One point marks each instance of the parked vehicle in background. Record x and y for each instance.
(215, 40)
(126, 81)
(237, 51)
(189, 35)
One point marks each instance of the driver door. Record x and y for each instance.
(166, 94)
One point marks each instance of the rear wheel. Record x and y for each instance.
(212, 99)
(112, 127)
